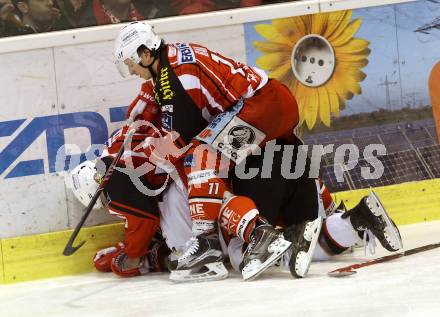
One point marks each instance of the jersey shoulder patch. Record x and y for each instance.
(185, 54)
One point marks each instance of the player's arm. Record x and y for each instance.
(141, 215)
(227, 78)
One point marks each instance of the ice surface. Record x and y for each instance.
(408, 286)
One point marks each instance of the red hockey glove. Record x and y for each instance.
(124, 266)
(103, 258)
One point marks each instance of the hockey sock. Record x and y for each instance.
(327, 200)
(235, 252)
(337, 235)
(205, 201)
(238, 216)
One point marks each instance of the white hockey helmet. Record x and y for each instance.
(83, 180)
(129, 39)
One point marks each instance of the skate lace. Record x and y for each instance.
(192, 245)
(252, 243)
(369, 241)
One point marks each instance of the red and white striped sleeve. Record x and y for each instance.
(214, 82)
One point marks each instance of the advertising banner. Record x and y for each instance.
(360, 77)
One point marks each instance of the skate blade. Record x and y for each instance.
(278, 248)
(211, 272)
(304, 259)
(392, 234)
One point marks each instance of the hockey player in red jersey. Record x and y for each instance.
(142, 250)
(196, 87)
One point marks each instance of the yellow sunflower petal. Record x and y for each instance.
(293, 85)
(354, 74)
(355, 64)
(334, 20)
(300, 96)
(306, 21)
(362, 75)
(347, 34)
(342, 104)
(311, 104)
(273, 60)
(334, 95)
(324, 105)
(282, 73)
(302, 119)
(338, 86)
(288, 27)
(271, 47)
(339, 23)
(350, 84)
(351, 60)
(355, 46)
(296, 25)
(348, 56)
(334, 102)
(319, 23)
(270, 33)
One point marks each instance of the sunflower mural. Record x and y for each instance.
(318, 58)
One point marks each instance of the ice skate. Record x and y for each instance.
(202, 261)
(370, 215)
(266, 247)
(304, 237)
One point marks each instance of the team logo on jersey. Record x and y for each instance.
(238, 139)
(232, 136)
(241, 135)
(205, 133)
(189, 161)
(167, 121)
(167, 117)
(185, 54)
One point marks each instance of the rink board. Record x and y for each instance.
(2, 277)
(407, 203)
(40, 256)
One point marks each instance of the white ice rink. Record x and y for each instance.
(408, 286)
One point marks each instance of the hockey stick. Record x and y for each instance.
(349, 270)
(69, 249)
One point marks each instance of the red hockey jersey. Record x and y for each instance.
(213, 81)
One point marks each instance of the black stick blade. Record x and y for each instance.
(70, 249)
